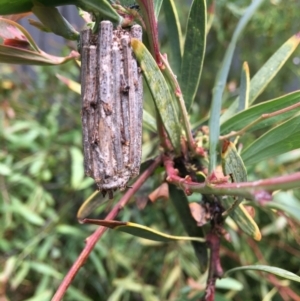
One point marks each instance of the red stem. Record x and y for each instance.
(257, 190)
(147, 7)
(92, 240)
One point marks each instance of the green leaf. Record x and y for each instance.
(12, 55)
(243, 219)
(54, 21)
(194, 49)
(242, 119)
(77, 170)
(232, 162)
(269, 269)
(20, 274)
(26, 212)
(266, 73)
(180, 202)
(89, 205)
(98, 7)
(174, 35)
(43, 296)
(157, 7)
(140, 230)
(287, 203)
(283, 138)
(5, 170)
(149, 122)
(220, 82)
(76, 294)
(45, 269)
(8, 7)
(261, 79)
(233, 165)
(160, 92)
(229, 284)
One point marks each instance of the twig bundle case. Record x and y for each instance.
(112, 95)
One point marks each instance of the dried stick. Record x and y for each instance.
(92, 240)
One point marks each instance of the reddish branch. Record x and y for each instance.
(215, 268)
(257, 191)
(147, 8)
(92, 240)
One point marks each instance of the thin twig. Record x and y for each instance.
(215, 268)
(177, 91)
(92, 240)
(147, 8)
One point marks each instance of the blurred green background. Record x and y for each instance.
(42, 185)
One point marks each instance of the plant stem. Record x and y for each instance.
(215, 268)
(257, 191)
(147, 8)
(92, 240)
(167, 71)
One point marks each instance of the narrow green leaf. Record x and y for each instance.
(233, 165)
(140, 230)
(214, 120)
(20, 274)
(266, 73)
(244, 88)
(229, 284)
(54, 21)
(261, 79)
(174, 35)
(269, 269)
(8, 7)
(243, 219)
(26, 213)
(45, 269)
(287, 203)
(283, 138)
(76, 293)
(43, 296)
(13, 55)
(194, 49)
(77, 170)
(5, 170)
(149, 122)
(90, 204)
(240, 120)
(98, 7)
(160, 92)
(180, 202)
(157, 7)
